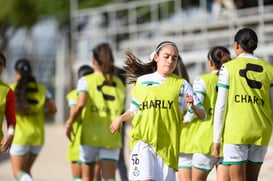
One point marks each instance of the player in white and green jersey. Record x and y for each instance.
(158, 101)
(187, 134)
(73, 152)
(205, 86)
(243, 112)
(100, 99)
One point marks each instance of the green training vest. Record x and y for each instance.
(203, 132)
(248, 118)
(73, 153)
(104, 103)
(29, 129)
(158, 120)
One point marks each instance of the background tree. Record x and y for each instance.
(15, 14)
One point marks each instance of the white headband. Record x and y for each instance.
(159, 46)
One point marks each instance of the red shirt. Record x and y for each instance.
(10, 108)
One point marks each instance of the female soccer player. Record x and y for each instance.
(73, 153)
(33, 105)
(205, 87)
(243, 111)
(159, 98)
(100, 99)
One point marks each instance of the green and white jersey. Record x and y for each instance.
(104, 103)
(245, 87)
(73, 153)
(29, 129)
(188, 132)
(202, 134)
(158, 118)
(4, 89)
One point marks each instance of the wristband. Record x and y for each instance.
(11, 131)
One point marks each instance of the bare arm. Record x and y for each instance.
(51, 108)
(117, 123)
(74, 113)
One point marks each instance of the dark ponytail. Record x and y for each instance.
(247, 39)
(23, 67)
(104, 56)
(219, 55)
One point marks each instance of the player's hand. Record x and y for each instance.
(116, 125)
(69, 131)
(216, 150)
(189, 100)
(6, 143)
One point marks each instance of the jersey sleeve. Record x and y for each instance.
(189, 116)
(219, 112)
(181, 99)
(199, 88)
(71, 102)
(10, 108)
(134, 105)
(82, 85)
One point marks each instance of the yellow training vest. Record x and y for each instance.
(203, 132)
(29, 129)
(73, 153)
(248, 118)
(158, 120)
(104, 103)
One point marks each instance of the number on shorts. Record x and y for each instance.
(135, 159)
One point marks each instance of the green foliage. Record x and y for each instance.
(82, 4)
(18, 12)
(15, 14)
(59, 9)
(25, 13)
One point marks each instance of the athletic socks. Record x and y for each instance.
(111, 179)
(23, 176)
(96, 179)
(77, 179)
